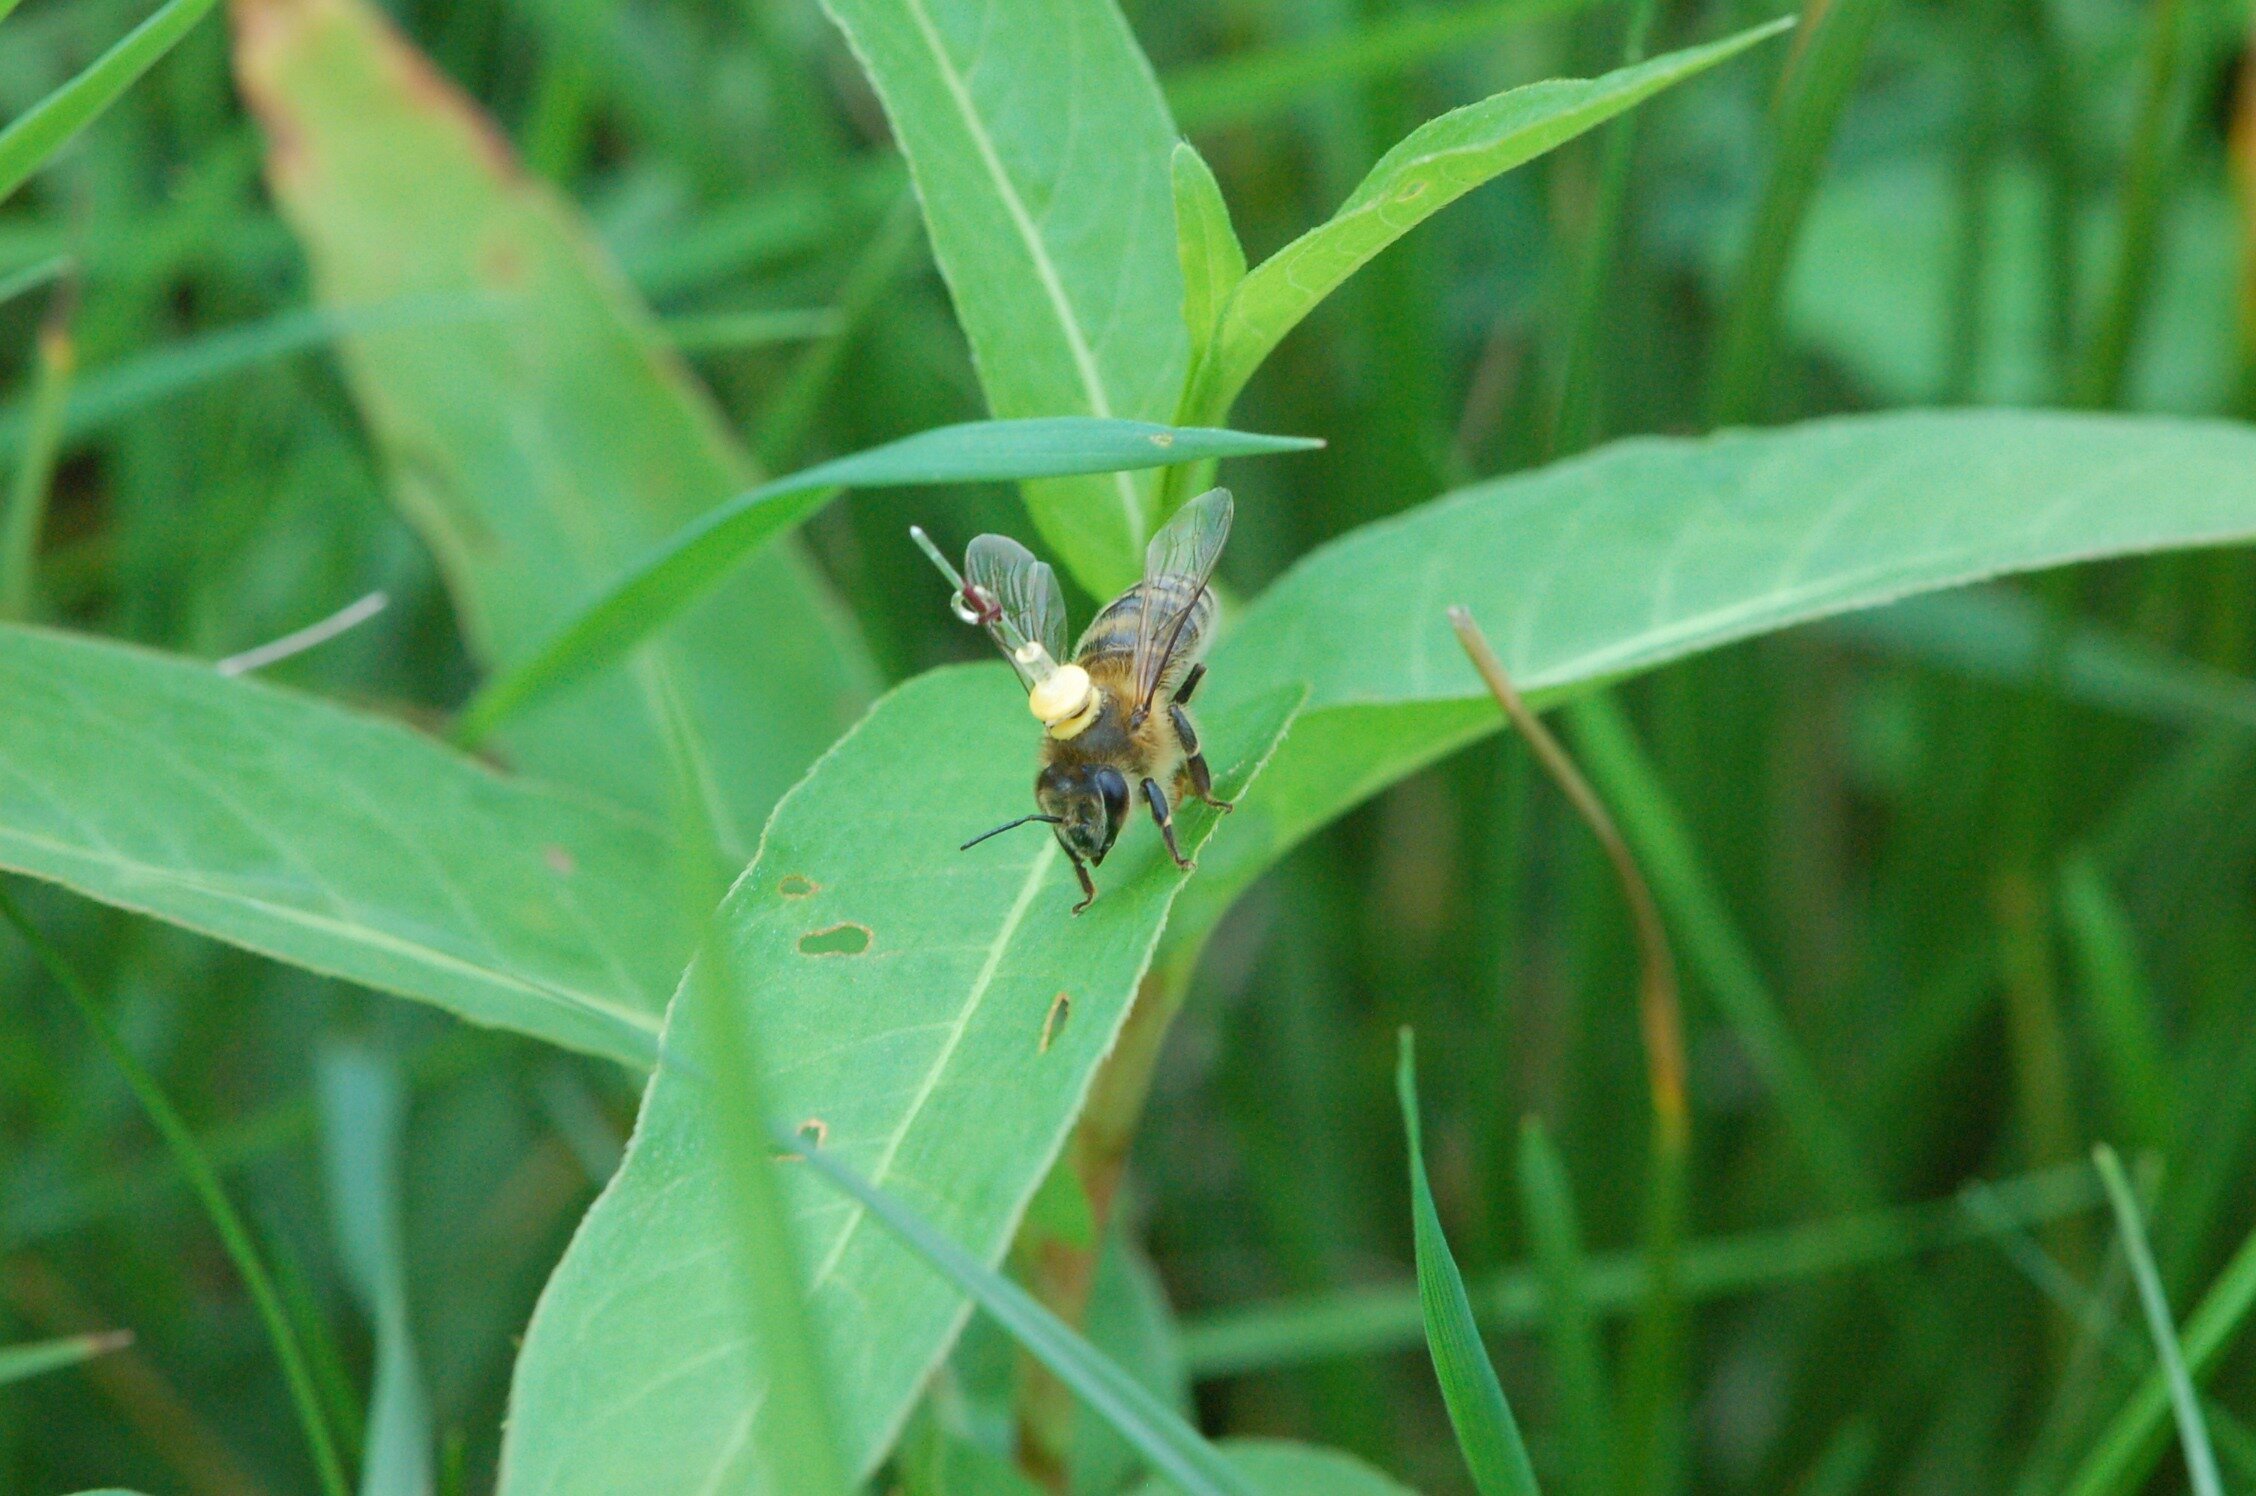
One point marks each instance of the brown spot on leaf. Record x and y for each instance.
(559, 861)
(1053, 1023)
(837, 940)
(797, 886)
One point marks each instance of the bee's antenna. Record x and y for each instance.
(1010, 826)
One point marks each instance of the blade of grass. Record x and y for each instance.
(18, 1362)
(732, 332)
(2146, 170)
(809, 1455)
(1171, 1445)
(35, 135)
(2127, 1449)
(363, 1105)
(682, 569)
(2185, 1403)
(217, 1207)
(799, 398)
(31, 277)
(2002, 634)
(1255, 85)
(130, 386)
(1577, 423)
(35, 469)
(1583, 1402)
(1718, 952)
(1657, 1353)
(1819, 79)
(2129, 1043)
(715, 1047)
(1371, 1320)
(1487, 1434)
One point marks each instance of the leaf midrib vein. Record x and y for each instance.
(1053, 288)
(357, 933)
(1036, 873)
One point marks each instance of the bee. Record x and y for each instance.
(1116, 728)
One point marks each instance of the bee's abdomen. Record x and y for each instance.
(1113, 631)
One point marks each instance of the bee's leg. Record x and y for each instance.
(1191, 679)
(1088, 886)
(1194, 762)
(1157, 798)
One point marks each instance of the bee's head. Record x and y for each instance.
(1090, 802)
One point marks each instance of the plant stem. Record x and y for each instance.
(1656, 1359)
(232, 1232)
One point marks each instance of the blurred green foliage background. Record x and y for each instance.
(1990, 854)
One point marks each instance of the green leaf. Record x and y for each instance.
(691, 563)
(1487, 1434)
(1039, 146)
(1276, 1467)
(2185, 1401)
(363, 1111)
(1431, 167)
(907, 999)
(35, 135)
(1124, 1402)
(18, 1362)
(544, 448)
(1206, 245)
(337, 842)
(1650, 550)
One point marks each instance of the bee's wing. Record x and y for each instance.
(1178, 563)
(1026, 588)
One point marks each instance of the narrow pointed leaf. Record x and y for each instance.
(35, 135)
(1039, 146)
(36, 1358)
(1431, 167)
(932, 1016)
(337, 842)
(1487, 1434)
(694, 560)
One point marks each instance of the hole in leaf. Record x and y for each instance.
(797, 886)
(838, 940)
(814, 1132)
(1061, 1008)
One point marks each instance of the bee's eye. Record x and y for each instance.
(1114, 789)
